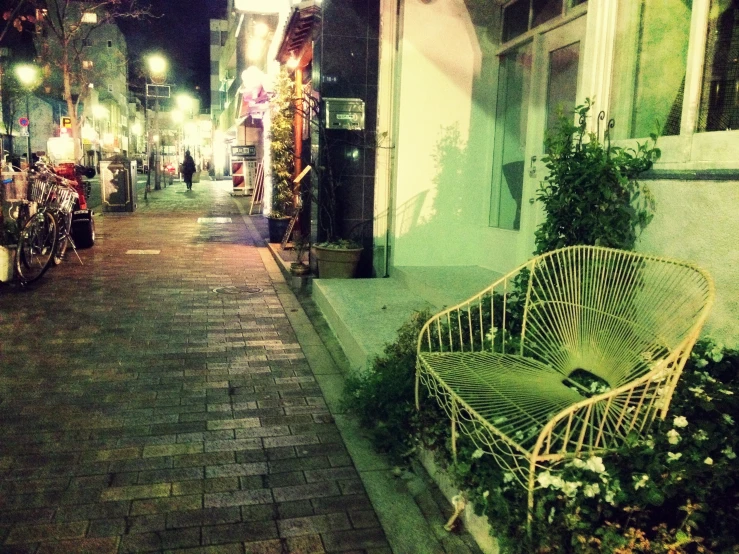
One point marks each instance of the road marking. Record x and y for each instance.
(214, 220)
(143, 252)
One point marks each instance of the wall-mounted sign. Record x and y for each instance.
(244, 151)
(344, 113)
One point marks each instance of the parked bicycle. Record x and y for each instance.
(46, 235)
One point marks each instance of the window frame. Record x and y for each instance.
(691, 149)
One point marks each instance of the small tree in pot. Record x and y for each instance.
(282, 152)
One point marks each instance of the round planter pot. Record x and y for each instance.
(337, 263)
(277, 227)
(299, 269)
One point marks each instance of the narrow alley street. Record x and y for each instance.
(173, 395)
(156, 398)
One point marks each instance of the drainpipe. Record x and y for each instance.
(391, 17)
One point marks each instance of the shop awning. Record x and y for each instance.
(300, 30)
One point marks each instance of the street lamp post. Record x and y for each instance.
(158, 71)
(27, 75)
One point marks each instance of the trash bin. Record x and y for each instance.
(117, 186)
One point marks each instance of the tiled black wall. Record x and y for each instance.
(345, 65)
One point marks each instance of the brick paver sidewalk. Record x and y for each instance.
(158, 400)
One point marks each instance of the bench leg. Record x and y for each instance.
(530, 511)
(418, 382)
(454, 430)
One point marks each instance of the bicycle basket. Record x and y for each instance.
(63, 199)
(40, 191)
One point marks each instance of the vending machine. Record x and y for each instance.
(243, 168)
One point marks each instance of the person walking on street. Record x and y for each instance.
(188, 168)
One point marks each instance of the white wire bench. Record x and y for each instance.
(624, 321)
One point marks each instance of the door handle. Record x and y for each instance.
(532, 167)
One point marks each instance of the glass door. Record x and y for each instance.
(536, 81)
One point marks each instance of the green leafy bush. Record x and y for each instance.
(590, 194)
(282, 146)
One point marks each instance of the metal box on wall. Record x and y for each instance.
(344, 113)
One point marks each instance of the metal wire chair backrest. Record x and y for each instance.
(614, 313)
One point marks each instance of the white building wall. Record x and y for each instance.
(441, 190)
(697, 221)
(444, 138)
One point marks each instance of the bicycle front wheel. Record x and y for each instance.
(35, 247)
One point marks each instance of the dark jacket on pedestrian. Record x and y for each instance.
(188, 165)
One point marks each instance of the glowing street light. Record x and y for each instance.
(28, 76)
(184, 102)
(157, 67)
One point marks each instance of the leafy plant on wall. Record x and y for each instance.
(591, 195)
(282, 146)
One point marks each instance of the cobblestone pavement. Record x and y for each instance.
(156, 399)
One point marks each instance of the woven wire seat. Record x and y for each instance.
(627, 321)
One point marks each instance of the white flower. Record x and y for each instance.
(595, 464)
(640, 482)
(671, 457)
(698, 391)
(701, 363)
(591, 490)
(545, 479)
(708, 461)
(611, 497)
(578, 463)
(726, 391)
(486, 494)
(728, 452)
(728, 419)
(557, 482)
(508, 477)
(673, 437)
(680, 422)
(477, 454)
(570, 487)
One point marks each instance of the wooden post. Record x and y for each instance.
(298, 131)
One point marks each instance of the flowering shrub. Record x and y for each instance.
(674, 491)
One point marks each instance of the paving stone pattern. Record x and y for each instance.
(144, 410)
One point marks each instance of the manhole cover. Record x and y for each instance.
(247, 289)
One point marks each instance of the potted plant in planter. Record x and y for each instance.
(336, 257)
(301, 244)
(282, 151)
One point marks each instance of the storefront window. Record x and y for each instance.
(719, 107)
(649, 67)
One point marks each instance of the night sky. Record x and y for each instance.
(182, 35)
